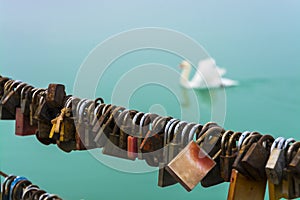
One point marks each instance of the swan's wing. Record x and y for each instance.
(221, 71)
(207, 73)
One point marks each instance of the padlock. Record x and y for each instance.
(98, 120)
(152, 145)
(289, 182)
(244, 188)
(195, 159)
(295, 163)
(132, 145)
(106, 123)
(143, 129)
(228, 156)
(97, 114)
(44, 111)
(276, 162)
(10, 99)
(213, 177)
(34, 105)
(67, 129)
(112, 145)
(55, 95)
(6, 186)
(17, 191)
(26, 96)
(43, 132)
(254, 137)
(164, 177)
(82, 126)
(175, 144)
(275, 167)
(257, 156)
(125, 127)
(22, 125)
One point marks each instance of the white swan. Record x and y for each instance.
(208, 75)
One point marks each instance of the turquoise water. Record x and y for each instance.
(258, 43)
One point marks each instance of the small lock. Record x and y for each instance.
(257, 156)
(55, 95)
(228, 156)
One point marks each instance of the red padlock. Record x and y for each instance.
(23, 127)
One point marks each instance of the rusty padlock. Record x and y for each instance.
(55, 95)
(244, 188)
(228, 156)
(195, 159)
(164, 177)
(132, 146)
(10, 99)
(257, 156)
(248, 141)
(214, 177)
(23, 127)
(143, 129)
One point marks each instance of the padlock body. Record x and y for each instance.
(275, 165)
(23, 127)
(255, 161)
(196, 160)
(242, 187)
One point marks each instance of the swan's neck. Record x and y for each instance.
(184, 79)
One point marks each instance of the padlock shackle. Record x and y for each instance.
(136, 122)
(253, 137)
(276, 142)
(98, 112)
(7, 85)
(160, 125)
(99, 99)
(105, 108)
(24, 90)
(171, 130)
(178, 131)
(244, 135)
(167, 129)
(195, 131)
(90, 112)
(20, 86)
(293, 148)
(269, 139)
(14, 85)
(82, 112)
(288, 142)
(115, 113)
(35, 95)
(145, 122)
(78, 107)
(207, 126)
(232, 141)
(185, 133)
(211, 132)
(225, 141)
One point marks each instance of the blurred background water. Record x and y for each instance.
(42, 42)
